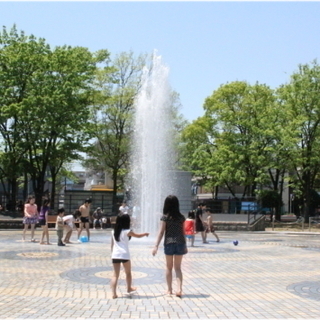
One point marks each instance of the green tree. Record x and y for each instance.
(300, 99)
(18, 61)
(111, 117)
(54, 90)
(232, 143)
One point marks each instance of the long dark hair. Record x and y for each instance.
(45, 202)
(29, 198)
(171, 207)
(191, 215)
(122, 223)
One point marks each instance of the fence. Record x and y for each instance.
(70, 201)
(229, 205)
(73, 199)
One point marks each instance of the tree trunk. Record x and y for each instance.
(13, 194)
(114, 192)
(53, 189)
(25, 186)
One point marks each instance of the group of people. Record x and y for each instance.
(67, 223)
(175, 228)
(196, 223)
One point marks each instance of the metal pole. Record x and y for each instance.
(273, 218)
(290, 203)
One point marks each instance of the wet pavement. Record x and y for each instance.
(268, 275)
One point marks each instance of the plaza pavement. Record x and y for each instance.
(269, 275)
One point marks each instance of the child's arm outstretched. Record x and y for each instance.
(137, 235)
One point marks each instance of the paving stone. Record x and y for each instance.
(269, 275)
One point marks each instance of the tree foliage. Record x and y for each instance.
(300, 99)
(45, 94)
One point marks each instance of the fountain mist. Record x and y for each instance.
(153, 153)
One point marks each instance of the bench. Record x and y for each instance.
(51, 219)
(288, 218)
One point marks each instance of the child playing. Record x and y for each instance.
(189, 227)
(43, 218)
(30, 217)
(69, 221)
(209, 225)
(121, 235)
(60, 226)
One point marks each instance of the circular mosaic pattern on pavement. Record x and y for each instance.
(197, 249)
(263, 240)
(306, 289)
(102, 275)
(39, 255)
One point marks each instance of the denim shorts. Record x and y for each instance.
(177, 249)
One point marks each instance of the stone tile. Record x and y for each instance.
(269, 275)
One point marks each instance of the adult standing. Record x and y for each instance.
(97, 217)
(43, 218)
(124, 209)
(172, 227)
(200, 221)
(85, 218)
(30, 217)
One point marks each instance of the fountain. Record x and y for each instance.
(153, 154)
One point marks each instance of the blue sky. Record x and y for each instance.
(205, 44)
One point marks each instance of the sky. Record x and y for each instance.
(204, 44)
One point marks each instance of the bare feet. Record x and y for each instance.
(132, 290)
(169, 293)
(114, 296)
(179, 294)
(41, 242)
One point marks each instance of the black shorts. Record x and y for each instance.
(42, 222)
(119, 260)
(199, 226)
(84, 219)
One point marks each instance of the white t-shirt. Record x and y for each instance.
(69, 220)
(121, 248)
(124, 209)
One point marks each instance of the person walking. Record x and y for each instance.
(209, 225)
(200, 222)
(30, 217)
(43, 218)
(172, 228)
(121, 235)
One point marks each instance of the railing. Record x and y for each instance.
(313, 220)
(252, 215)
(299, 220)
